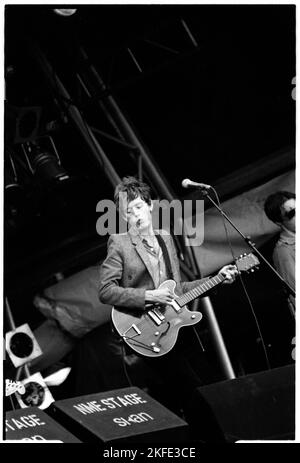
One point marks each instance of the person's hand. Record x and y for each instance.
(159, 296)
(229, 272)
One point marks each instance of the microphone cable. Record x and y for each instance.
(243, 284)
(125, 366)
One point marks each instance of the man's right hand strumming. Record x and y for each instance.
(159, 296)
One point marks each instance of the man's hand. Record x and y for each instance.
(230, 272)
(160, 296)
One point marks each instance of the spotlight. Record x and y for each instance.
(22, 123)
(21, 345)
(65, 11)
(36, 393)
(44, 161)
(11, 181)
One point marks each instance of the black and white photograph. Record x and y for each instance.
(149, 226)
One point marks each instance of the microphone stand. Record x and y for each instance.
(247, 239)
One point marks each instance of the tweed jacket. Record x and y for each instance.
(126, 273)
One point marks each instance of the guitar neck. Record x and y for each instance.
(199, 290)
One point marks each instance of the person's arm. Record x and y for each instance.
(111, 271)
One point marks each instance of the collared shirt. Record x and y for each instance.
(284, 258)
(287, 237)
(157, 262)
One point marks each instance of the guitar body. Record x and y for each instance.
(154, 332)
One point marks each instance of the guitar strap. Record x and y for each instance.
(164, 249)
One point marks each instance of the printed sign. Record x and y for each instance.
(34, 425)
(119, 414)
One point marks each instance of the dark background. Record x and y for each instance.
(203, 111)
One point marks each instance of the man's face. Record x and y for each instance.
(138, 214)
(288, 219)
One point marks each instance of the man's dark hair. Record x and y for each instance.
(134, 188)
(274, 202)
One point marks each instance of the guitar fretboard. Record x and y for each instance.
(201, 289)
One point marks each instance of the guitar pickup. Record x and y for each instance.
(153, 315)
(176, 306)
(159, 314)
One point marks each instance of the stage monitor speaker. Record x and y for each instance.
(120, 415)
(259, 406)
(34, 425)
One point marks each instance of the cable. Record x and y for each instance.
(12, 403)
(198, 338)
(125, 366)
(243, 284)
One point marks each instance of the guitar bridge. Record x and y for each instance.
(132, 327)
(135, 328)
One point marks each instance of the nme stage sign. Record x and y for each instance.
(121, 414)
(34, 425)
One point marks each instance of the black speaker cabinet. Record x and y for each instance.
(259, 406)
(120, 415)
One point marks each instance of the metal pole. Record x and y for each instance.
(9, 315)
(75, 115)
(213, 323)
(217, 338)
(112, 108)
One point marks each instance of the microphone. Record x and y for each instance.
(187, 183)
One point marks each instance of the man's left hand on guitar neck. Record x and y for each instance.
(229, 272)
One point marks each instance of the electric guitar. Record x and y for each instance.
(154, 332)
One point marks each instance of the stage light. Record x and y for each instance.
(11, 181)
(65, 11)
(22, 123)
(37, 393)
(43, 160)
(21, 345)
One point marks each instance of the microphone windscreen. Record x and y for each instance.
(185, 183)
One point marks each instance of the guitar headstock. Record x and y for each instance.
(247, 263)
